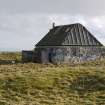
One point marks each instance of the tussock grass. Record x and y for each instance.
(39, 84)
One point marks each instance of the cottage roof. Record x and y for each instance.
(69, 35)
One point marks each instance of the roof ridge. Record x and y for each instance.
(69, 25)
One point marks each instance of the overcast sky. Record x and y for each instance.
(24, 22)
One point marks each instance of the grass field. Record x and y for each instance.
(10, 56)
(38, 84)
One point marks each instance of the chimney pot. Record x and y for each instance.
(53, 24)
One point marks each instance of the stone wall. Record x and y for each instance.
(68, 54)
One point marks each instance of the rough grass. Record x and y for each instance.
(38, 84)
(10, 56)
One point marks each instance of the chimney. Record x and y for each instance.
(53, 25)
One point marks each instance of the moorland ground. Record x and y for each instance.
(39, 84)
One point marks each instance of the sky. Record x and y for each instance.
(24, 22)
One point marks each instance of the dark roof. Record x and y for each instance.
(69, 35)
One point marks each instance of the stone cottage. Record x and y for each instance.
(67, 43)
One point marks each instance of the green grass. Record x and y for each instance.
(38, 84)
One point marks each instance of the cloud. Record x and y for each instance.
(23, 30)
(72, 7)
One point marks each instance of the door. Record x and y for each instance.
(44, 56)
